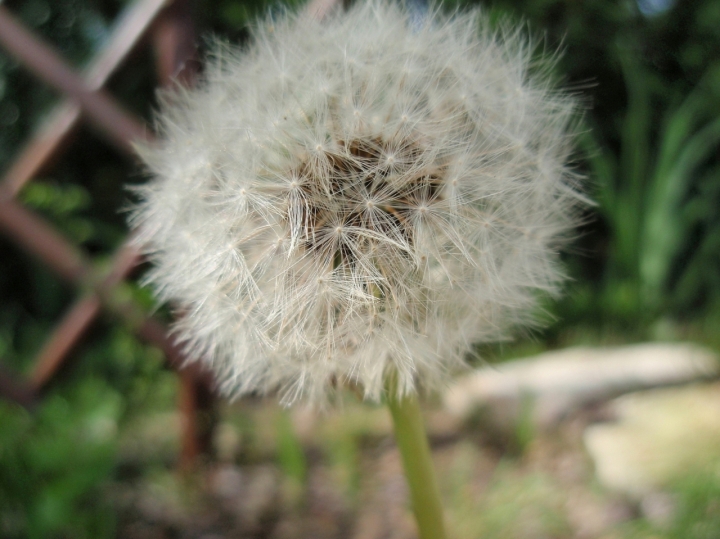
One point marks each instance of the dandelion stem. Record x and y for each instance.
(415, 451)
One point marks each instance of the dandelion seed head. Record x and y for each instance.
(358, 195)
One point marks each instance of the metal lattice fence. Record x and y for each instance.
(167, 26)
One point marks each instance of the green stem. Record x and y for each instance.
(417, 461)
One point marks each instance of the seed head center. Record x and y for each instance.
(363, 174)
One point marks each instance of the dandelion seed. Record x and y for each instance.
(378, 193)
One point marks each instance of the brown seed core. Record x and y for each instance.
(367, 189)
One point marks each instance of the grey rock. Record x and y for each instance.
(660, 436)
(558, 382)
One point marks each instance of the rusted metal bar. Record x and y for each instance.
(128, 31)
(174, 41)
(126, 258)
(190, 445)
(38, 238)
(120, 126)
(65, 337)
(43, 147)
(198, 416)
(31, 233)
(79, 319)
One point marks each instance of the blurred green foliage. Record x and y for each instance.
(291, 456)
(698, 508)
(648, 194)
(650, 153)
(695, 514)
(54, 462)
(57, 459)
(514, 505)
(650, 84)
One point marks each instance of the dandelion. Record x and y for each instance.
(358, 198)
(357, 195)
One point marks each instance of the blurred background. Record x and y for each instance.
(97, 445)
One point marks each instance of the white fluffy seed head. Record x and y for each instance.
(357, 195)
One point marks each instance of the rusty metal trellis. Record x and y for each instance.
(169, 26)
